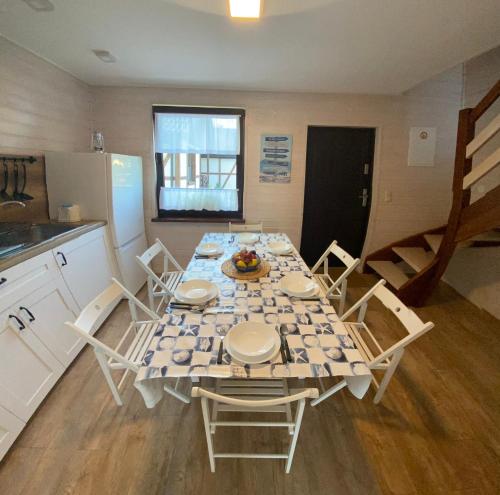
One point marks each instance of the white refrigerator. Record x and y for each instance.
(106, 186)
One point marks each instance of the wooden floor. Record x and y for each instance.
(437, 430)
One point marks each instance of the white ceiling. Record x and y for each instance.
(355, 46)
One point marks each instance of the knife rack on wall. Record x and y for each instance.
(22, 178)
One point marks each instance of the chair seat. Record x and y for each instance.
(141, 341)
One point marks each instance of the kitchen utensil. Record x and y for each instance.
(222, 332)
(22, 195)
(3, 192)
(283, 334)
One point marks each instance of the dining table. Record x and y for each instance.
(185, 343)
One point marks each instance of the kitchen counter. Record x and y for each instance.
(40, 247)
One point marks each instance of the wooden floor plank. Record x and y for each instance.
(435, 431)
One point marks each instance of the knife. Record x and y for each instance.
(284, 328)
(282, 347)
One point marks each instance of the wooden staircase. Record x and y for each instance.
(428, 253)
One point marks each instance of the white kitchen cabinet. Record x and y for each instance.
(85, 265)
(10, 427)
(28, 370)
(45, 311)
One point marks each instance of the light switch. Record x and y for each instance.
(387, 196)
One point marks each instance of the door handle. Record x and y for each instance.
(3, 280)
(64, 261)
(20, 324)
(31, 317)
(364, 197)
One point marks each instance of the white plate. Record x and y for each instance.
(298, 285)
(209, 249)
(256, 360)
(279, 247)
(252, 342)
(196, 291)
(248, 238)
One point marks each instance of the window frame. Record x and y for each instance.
(178, 215)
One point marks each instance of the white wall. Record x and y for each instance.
(475, 272)
(41, 107)
(420, 196)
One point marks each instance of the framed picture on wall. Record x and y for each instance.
(275, 158)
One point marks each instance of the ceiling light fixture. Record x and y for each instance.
(247, 9)
(105, 56)
(40, 5)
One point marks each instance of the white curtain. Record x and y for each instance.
(193, 133)
(173, 198)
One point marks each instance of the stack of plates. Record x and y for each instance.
(196, 292)
(297, 285)
(248, 238)
(279, 247)
(252, 343)
(209, 249)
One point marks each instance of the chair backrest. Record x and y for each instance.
(349, 262)
(246, 227)
(98, 310)
(158, 248)
(414, 326)
(311, 393)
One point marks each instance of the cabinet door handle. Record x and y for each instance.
(2, 280)
(64, 262)
(31, 317)
(20, 324)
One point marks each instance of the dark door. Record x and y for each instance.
(337, 194)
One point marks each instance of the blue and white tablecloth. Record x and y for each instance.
(187, 343)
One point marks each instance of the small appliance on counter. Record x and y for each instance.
(68, 213)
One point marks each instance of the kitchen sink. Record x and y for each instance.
(16, 237)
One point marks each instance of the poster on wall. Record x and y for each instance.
(275, 158)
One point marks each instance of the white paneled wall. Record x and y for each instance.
(41, 107)
(124, 116)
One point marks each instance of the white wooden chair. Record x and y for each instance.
(335, 289)
(138, 332)
(376, 358)
(246, 227)
(160, 286)
(258, 396)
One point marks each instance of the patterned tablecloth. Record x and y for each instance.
(187, 343)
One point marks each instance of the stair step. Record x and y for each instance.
(434, 241)
(390, 271)
(417, 257)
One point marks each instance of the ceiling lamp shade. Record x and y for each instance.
(247, 9)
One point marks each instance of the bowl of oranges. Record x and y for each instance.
(246, 261)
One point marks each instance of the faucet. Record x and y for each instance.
(18, 203)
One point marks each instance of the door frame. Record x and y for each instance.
(375, 192)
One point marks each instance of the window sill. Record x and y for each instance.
(198, 219)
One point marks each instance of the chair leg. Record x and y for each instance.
(343, 294)
(101, 359)
(293, 443)
(150, 294)
(176, 393)
(206, 420)
(329, 392)
(396, 357)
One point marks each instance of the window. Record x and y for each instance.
(199, 161)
